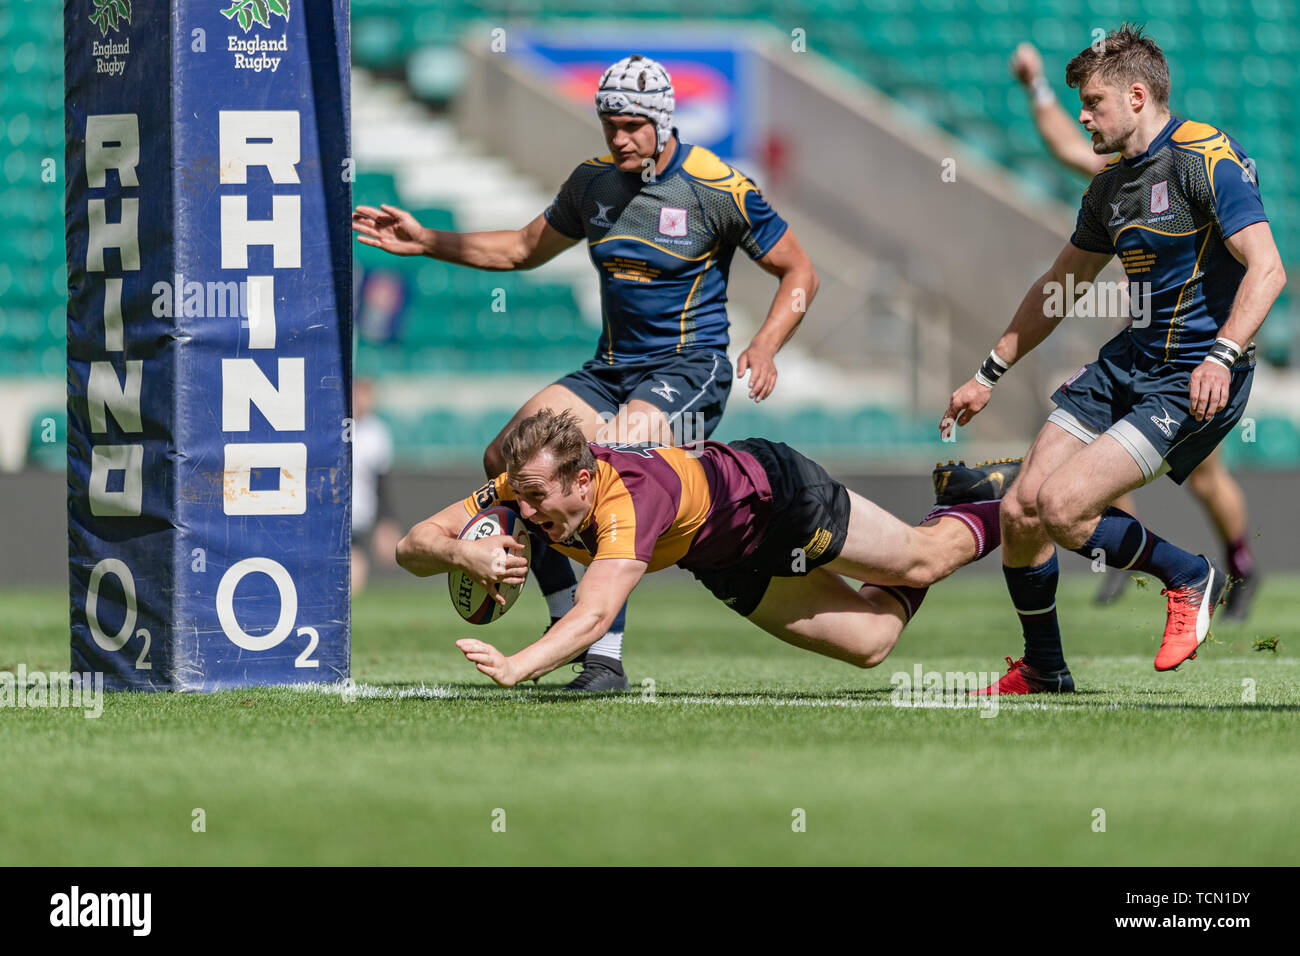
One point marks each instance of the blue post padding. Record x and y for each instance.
(209, 342)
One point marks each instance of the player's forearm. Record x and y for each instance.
(1030, 325)
(793, 297)
(1061, 135)
(567, 638)
(1259, 289)
(429, 549)
(501, 250)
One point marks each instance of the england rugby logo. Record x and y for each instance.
(108, 13)
(249, 12)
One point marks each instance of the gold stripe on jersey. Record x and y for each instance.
(1175, 320)
(653, 245)
(713, 173)
(687, 306)
(1212, 144)
(1158, 232)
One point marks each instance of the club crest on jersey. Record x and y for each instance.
(672, 222)
(1164, 423)
(602, 216)
(1160, 196)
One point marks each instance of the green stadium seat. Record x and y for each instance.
(377, 41)
(436, 73)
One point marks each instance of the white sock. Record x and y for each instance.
(611, 645)
(561, 602)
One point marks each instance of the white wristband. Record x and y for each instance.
(1231, 344)
(1042, 90)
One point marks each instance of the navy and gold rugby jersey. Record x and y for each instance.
(663, 248)
(1165, 213)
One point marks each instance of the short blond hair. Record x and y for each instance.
(559, 433)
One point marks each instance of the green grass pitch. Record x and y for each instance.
(431, 764)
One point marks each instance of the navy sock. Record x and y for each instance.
(1129, 546)
(1033, 594)
(551, 568)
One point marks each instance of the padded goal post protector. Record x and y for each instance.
(208, 188)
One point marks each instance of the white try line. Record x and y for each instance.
(374, 691)
(425, 692)
(974, 703)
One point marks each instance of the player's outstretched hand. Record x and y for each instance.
(965, 404)
(488, 660)
(1209, 390)
(389, 228)
(762, 365)
(1027, 63)
(489, 563)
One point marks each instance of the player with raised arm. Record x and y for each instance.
(1210, 482)
(765, 529)
(1180, 205)
(662, 220)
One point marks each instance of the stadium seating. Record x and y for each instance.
(33, 278)
(946, 59)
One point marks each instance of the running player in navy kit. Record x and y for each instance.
(1181, 208)
(1210, 482)
(662, 220)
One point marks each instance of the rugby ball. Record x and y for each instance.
(472, 601)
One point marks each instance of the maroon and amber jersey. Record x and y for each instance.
(703, 508)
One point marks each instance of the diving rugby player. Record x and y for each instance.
(765, 529)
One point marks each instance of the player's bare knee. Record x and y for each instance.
(1062, 519)
(1021, 506)
(878, 648)
(1018, 518)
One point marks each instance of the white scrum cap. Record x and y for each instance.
(639, 86)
